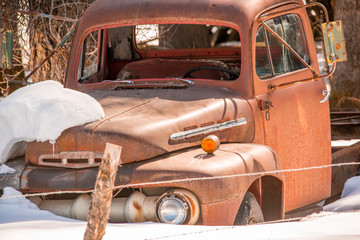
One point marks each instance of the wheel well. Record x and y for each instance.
(268, 191)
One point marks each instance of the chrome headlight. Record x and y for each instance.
(178, 206)
(172, 209)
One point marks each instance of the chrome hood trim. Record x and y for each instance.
(208, 129)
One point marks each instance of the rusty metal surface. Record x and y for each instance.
(299, 132)
(333, 34)
(229, 159)
(142, 121)
(299, 127)
(79, 159)
(220, 213)
(46, 179)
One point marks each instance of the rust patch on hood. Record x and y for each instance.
(109, 118)
(142, 121)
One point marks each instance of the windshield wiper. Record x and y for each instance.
(190, 82)
(120, 81)
(172, 82)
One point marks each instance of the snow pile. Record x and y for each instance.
(19, 219)
(351, 188)
(5, 169)
(19, 209)
(350, 197)
(21, 202)
(41, 112)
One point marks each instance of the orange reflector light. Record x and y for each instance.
(210, 144)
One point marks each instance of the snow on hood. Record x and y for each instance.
(350, 197)
(41, 112)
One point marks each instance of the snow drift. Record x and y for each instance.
(20, 219)
(350, 197)
(41, 112)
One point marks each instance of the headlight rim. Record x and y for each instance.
(172, 193)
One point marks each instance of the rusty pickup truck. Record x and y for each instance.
(218, 105)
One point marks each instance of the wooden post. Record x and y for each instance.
(101, 199)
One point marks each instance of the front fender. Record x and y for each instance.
(217, 180)
(212, 177)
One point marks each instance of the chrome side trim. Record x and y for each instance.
(208, 129)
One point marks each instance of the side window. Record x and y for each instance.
(272, 57)
(263, 65)
(89, 64)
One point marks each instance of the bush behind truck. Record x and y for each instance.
(210, 101)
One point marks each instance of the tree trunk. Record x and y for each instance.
(345, 85)
(16, 73)
(46, 34)
(39, 51)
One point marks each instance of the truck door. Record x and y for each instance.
(296, 125)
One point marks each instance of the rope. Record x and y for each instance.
(146, 184)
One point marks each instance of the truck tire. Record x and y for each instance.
(249, 211)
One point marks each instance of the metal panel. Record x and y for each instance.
(334, 42)
(45, 179)
(6, 49)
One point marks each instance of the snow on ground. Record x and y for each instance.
(41, 112)
(21, 210)
(20, 219)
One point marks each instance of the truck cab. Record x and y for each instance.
(218, 106)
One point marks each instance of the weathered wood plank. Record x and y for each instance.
(102, 196)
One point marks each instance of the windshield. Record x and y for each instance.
(160, 51)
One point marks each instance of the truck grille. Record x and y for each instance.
(78, 159)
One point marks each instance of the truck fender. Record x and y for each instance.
(219, 180)
(263, 180)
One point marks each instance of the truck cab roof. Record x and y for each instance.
(107, 14)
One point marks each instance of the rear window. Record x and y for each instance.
(185, 36)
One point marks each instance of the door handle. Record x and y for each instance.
(265, 105)
(325, 93)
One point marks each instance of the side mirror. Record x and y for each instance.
(334, 42)
(6, 49)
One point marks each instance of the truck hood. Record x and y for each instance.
(151, 122)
